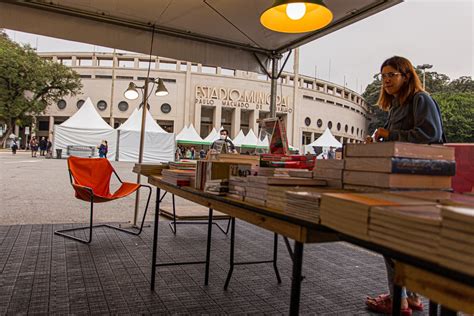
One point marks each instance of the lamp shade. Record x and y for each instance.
(131, 93)
(161, 90)
(296, 16)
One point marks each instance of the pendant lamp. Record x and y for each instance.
(296, 16)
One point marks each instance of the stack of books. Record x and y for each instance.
(413, 230)
(349, 212)
(300, 173)
(273, 172)
(217, 187)
(330, 170)
(149, 169)
(183, 165)
(270, 191)
(456, 250)
(237, 187)
(304, 204)
(396, 165)
(178, 177)
(209, 170)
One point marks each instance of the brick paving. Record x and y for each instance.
(41, 273)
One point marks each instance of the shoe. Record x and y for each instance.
(413, 306)
(383, 305)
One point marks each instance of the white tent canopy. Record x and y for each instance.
(85, 128)
(133, 123)
(327, 139)
(213, 136)
(159, 146)
(215, 33)
(188, 135)
(251, 140)
(239, 139)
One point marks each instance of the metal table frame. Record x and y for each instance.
(300, 230)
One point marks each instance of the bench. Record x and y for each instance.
(80, 151)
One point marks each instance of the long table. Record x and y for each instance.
(422, 276)
(299, 229)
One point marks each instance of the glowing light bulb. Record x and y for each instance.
(296, 11)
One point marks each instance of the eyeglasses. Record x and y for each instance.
(389, 75)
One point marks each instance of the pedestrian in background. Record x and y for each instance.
(34, 146)
(14, 146)
(42, 146)
(103, 149)
(49, 149)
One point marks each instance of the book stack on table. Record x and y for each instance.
(149, 169)
(178, 177)
(270, 191)
(456, 249)
(414, 229)
(303, 204)
(330, 170)
(396, 165)
(237, 187)
(349, 213)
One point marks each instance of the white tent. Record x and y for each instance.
(159, 145)
(325, 140)
(85, 128)
(251, 140)
(239, 139)
(263, 143)
(188, 135)
(213, 136)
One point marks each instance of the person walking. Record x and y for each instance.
(42, 146)
(14, 146)
(34, 146)
(49, 149)
(103, 149)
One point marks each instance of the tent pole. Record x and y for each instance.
(142, 142)
(273, 91)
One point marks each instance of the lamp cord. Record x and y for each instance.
(149, 66)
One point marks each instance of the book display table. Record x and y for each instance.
(300, 230)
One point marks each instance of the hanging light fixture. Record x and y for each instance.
(296, 16)
(131, 93)
(161, 89)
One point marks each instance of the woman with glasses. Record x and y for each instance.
(413, 116)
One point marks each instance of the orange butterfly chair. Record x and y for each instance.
(90, 178)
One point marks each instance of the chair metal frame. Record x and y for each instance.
(137, 231)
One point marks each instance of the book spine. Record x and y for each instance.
(423, 166)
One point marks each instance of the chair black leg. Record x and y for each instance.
(61, 232)
(91, 226)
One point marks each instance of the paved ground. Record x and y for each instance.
(41, 273)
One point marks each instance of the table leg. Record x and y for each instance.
(296, 281)
(397, 299)
(208, 250)
(231, 257)
(155, 239)
(275, 257)
(433, 309)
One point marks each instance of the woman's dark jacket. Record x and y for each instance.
(418, 121)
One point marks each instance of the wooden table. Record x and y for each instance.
(300, 230)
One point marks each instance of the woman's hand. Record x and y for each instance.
(381, 133)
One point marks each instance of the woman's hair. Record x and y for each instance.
(409, 88)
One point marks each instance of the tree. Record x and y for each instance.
(371, 96)
(458, 115)
(28, 83)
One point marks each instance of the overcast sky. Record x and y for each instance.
(437, 32)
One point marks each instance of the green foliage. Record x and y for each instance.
(28, 83)
(458, 115)
(455, 98)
